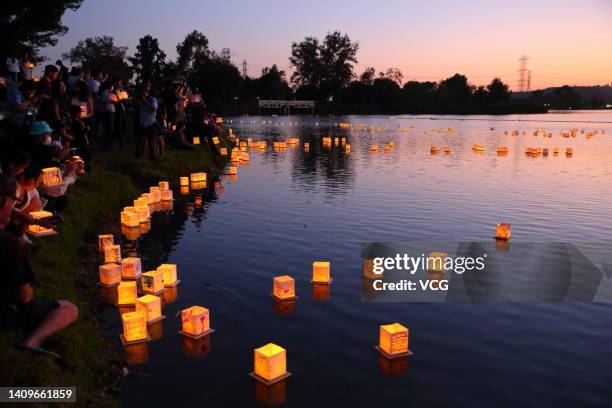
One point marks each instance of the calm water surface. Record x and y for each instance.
(286, 209)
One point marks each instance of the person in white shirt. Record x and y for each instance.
(12, 66)
(108, 100)
(94, 83)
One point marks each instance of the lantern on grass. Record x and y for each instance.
(321, 272)
(52, 176)
(195, 322)
(216, 140)
(134, 328)
(270, 364)
(153, 282)
(197, 177)
(37, 230)
(112, 253)
(164, 185)
(131, 268)
(393, 340)
(196, 140)
(126, 293)
(283, 288)
(154, 195)
(169, 274)
(150, 306)
(435, 261)
(104, 240)
(167, 195)
(184, 181)
(110, 275)
(503, 231)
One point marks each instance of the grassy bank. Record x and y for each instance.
(66, 269)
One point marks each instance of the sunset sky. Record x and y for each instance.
(567, 41)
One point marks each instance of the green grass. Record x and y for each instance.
(66, 268)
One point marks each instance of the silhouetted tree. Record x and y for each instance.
(395, 74)
(100, 53)
(149, 61)
(367, 77)
(218, 79)
(565, 97)
(270, 85)
(481, 95)
(456, 89)
(192, 51)
(498, 91)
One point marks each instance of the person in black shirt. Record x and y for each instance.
(40, 318)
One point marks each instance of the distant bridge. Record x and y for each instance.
(285, 106)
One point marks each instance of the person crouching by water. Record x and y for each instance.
(39, 318)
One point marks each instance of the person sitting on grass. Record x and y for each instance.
(40, 318)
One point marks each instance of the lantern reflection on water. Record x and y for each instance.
(195, 322)
(503, 231)
(134, 327)
(184, 181)
(285, 307)
(37, 230)
(131, 268)
(320, 292)
(152, 282)
(232, 170)
(197, 177)
(131, 234)
(392, 366)
(110, 275)
(170, 295)
(126, 293)
(150, 305)
(270, 364)
(136, 353)
(271, 395)
(168, 272)
(283, 287)
(196, 348)
(184, 190)
(321, 272)
(112, 253)
(393, 340)
(198, 185)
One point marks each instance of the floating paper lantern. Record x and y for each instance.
(244, 156)
(373, 148)
(435, 261)
(393, 340)
(112, 253)
(146, 197)
(196, 140)
(154, 195)
(284, 287)
(169, 275)
(321, 272)
(150, 306)
(501, 150)
(503, 231)
(134, 327)
(195, 322)
(232, 170)
(198, 185)
(104, 240)
(216, 140)
(270, 363)
(166, 195)
(143, 213)
(153, 282)
(164, 185)
(556, 151)
(198, 177)
(110, 275)
(347, 148)
(306, 146)
(544, 151)
(129, 218)
(141, 202)
(52, 176)
(131, 268)
(37, 230)
(434, 149)
(478, 148)
(126, 293)
(223, 151)
(184, 181)
(569, 151)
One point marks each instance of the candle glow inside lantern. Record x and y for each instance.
(153, 282)
(154, 195)
(150, 305)
(284, 288)
(52, 176)
(134, 327)
(167, 195)
(270, 364)
(110, 275)
(232, 170)
(321, 272)
(223, 151)
(164, 185)
(373, 148)
(216, 140)
(198, 177)
(196, 140)
(37, 230)
(169, 275)
(435, 261)
(112, 253)
(184, 181)
(503, 231)
(131, 268)
(393, 340)
(195, 322)
(126, 293)
(105, 240)
(129, 218)
(143, 213)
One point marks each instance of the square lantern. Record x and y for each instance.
(284, 288)
(169, 275)
(105, 240)
(196, 140)
(153, 282)
(244, 156)
(141, 202)
(110, 275)
(146, 197)
(195, 322)
(321, 272)
(347, 148)
(184, 181)
(393, 341)
(52, 176)
(167, 195)
(232, 170)
(435, 261)
(198, 177)
(373, 148)
(270, 364)
(223, 151)
(503, 231)
(184, 190)
(126, 293)
(131, 268)
(216, 140)
(164, 185)
(129, 218)
(134, 327)
(154, 195)
(150, 305)
(37, 230)
(112, 253)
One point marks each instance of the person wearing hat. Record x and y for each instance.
(40, 318)
(41, 147)
(45, 85)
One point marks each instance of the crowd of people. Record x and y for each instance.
(60, 121)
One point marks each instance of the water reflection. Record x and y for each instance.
(284, 307)
(196, 348)
(392, 366)
(271, 395)
(320, 292)
(137, 353)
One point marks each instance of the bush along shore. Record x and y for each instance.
(66, 268)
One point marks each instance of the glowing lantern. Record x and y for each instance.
(129, 218)
(216, 140)
(347, 148)
(141, 202)
(184, 181)
(52, 176)
(130, 268)
(230, 132)
(244, 156)
(122, 95)
(164, 185)
(270, 364)
(166, 195)
(284, 288)
(143, 213)
(478, 148)
(556, 151)
(154, 195)
(184, 190)
(169, 275)
(569, 151)
(373, 148)
(112, 253)
(110, 275)
(146, 198)
(37, 230)
(320, 272)
(104, 240)
(504, 231)
(502, 150)
(150, 306)
(434, 149)
(134, 327)
(126, 293)
(223, 151)
(197, 177)
(198, 185)
(435, 261)
(232, 170)
(393, 340)
(544, 151)
(196, 140)
(153, 282)
(195, 322)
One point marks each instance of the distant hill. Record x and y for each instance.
(602, 92)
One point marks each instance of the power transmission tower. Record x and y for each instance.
(244, 69)
(523, 81)
(225, 54)
(529, 81)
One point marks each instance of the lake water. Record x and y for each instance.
(286, 209)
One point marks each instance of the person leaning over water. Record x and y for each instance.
(39, 318)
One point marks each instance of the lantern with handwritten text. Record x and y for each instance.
(130, 268)
(169, 275)
(284, 288)
(110, 274)
(52, 176)
(112, 253)
(105, 240)
(393, 340)
(134, 327)
(195, 322)
(270, 363)
(153, 282)
(503, 231)
(150, 305)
